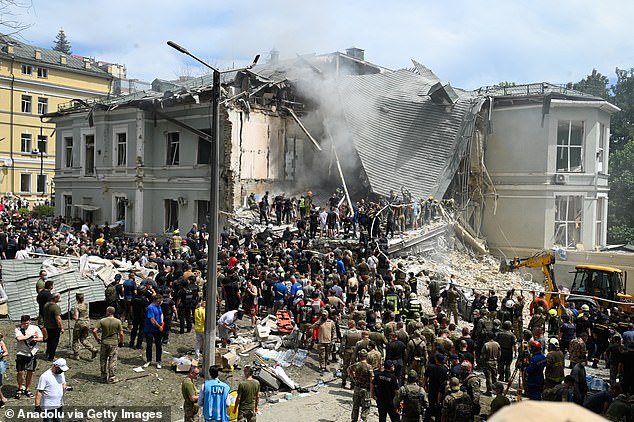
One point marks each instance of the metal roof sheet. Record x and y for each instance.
(25, 52)
(19, 278)
(402, 137)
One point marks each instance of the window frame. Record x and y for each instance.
(24, 139)
(116, 157)
(565, 228)
(568, 147)
(600, 221)
(68, 158)
(602, 167)
(27, 69)
(27, 104)
(42, 141)
(171, 211)
(42, 105)
(173, 149)
(89, 170)
(42, 72)
(22, 175)
(44, 178)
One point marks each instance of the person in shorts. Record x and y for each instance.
(27, 336)
(3, 367)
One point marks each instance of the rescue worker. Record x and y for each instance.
(349, 341)
(327, 332)
(601, 336)
(457, 405)
(534, 370)
(413, 307)
(362, 375)
(538, 302)
(491, 353)
(416, 355)
(393, 301)
(508, 346)
(566, 333)
(554, 373)
(538, 320)
(82, 328)
(577, 349)
(471, 385)
(452, 303)
(413, 398)
(518, 316)
(375, 357)
(434, 291)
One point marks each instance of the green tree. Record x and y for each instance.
(61, 43)
(622, 128)
(621, 206)
(594, 84)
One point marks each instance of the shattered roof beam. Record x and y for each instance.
(301, 125)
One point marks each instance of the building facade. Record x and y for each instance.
(547, 155)
(35, 81)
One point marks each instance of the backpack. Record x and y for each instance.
(463, 408)
(353, 288)
(412, 402)
(111, 294)
(190, 296)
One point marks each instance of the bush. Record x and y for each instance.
(43, 211)
(23, 211)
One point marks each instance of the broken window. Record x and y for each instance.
(599, 234)
(568, 210)
(570, 135)
(122, 149)
(171, 215)
(202, 212)
(601, 168)
(68, 151)
(173, 143)
(89, 165)
(119, 211)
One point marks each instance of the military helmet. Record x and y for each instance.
(507, 325)
(363, 352)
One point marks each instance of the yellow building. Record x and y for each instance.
(35, 81)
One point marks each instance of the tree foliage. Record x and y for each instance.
(595, 84)
(622, 128)
(61, 43)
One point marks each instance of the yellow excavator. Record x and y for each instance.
(595, 285)
(545, 261)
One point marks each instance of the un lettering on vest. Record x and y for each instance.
(217, 390)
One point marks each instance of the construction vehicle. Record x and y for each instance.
(554, 297)
(597, 285)
(594, 285)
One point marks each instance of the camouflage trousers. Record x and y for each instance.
(348, 356)
(452, 308)
(518, 328)
(246, 415)
(490, 369)
(361, 401)
(108, 361)
(324, 353)
(419, 367)
(191, 413)
(80, 338)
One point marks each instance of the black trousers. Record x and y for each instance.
(52, 342)
(157, 339)
(386, 410)
(137, 330)
(185, 318)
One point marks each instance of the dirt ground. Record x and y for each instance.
(161, 387)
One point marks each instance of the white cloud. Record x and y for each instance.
(468, 43)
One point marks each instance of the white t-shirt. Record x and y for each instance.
(52, 387)
(21, 348)
(228, 318)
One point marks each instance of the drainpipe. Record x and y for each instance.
(11, 124)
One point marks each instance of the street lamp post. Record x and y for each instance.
(209, 351)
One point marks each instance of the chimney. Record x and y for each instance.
(86, 63)
(357, 53)
(275, 56)
(38, 54)
(10, 48)
(443, 94)
(63, 59)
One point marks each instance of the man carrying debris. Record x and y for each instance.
(326, 334)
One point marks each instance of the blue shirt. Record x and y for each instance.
(128, 289)
(213, 400)
(153, 311)
(280, 290)
(341, 268)
(295, 287)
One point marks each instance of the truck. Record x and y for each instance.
(594, 285)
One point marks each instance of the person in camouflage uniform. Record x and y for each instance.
(577, 349)
(362, 375)
(375, 358)
(416, 355)
(452, 303)
(538, 320)
(413, 397)
(453, 406)
(508, 346)
(82, 328)
(471, 385)
(349, 341)
(518, 316)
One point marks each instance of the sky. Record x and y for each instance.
(466, 42)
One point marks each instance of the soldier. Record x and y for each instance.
(349, 341)
(538, 320)
(484, 326)
(434, 291)
(452, 303)
(416, 355)
(362, 375)
(490, 355)
(111, 336)
(326, 335)
(471, 385)
(82, 328)
(518, 316)
(413, 398)
(375, 358)
(577, 349)
(457, 405)
(508, 346)
(428, 332)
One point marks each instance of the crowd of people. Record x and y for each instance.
(359, 311)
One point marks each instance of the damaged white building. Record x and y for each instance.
(527, 165)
